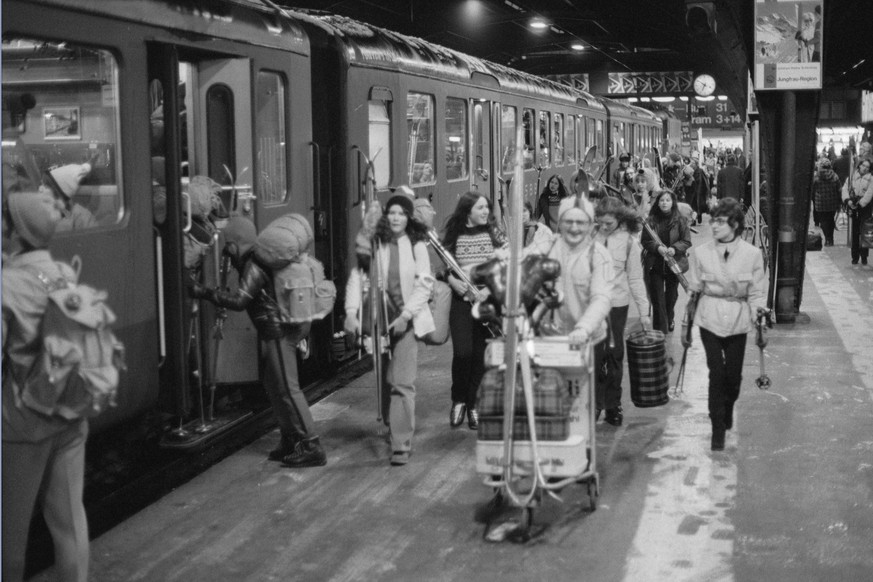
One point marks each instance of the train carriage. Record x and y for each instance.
(283, 110)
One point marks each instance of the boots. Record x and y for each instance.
(283, 449)
(614, 416)
(307, 453)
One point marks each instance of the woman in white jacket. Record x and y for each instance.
(858, 196)
(617, 225)
(407, 284)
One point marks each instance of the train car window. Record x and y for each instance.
(558, 136)
(527, 118)
(456, 143)
(420, 126)
(600, 137)
(272, 188)
(545, 138)
(570, 140)
(380, 141)
(61, 128)
(507, 139)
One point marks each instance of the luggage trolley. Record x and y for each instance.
(550, 465)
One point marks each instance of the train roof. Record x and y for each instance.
(371, 46)
(249, 21)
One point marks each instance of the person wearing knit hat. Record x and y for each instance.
(406, 285)
(298, 446)
(33, 217)
(623, 174)
(586, 276)
(64, 182)
(43, 457)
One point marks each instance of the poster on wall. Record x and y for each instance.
(788, 44)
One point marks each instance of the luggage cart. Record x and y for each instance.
(548, 465)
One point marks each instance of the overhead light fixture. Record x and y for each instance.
(632, 99)
(722, 97)
(557, 30)
(577, 46)
(710, 98)
(683, 98)
(645, 99)
(664, 99)
(538, 24)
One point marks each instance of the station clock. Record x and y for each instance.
(704, 85)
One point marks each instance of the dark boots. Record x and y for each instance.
(307, 453)
(283, 449)
(614, 416)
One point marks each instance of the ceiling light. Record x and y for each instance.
(710, 98)
(632, 99)
(577, 46)
(683, 98)
(664, 99)
(557, 30)
(722, 97)
(538, 24)
(645, 99)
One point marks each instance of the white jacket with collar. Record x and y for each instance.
(416, 284)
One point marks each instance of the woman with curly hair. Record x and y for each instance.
(472, 236)
(675, 235)
(549, 201)
(617, 225)
(407, 284)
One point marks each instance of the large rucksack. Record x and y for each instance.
(76, 374)
(303, 293)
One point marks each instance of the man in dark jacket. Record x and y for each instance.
(826, 186)
(298, 447)
(730, 182)
(841, 166)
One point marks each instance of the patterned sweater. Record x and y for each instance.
(474, 246)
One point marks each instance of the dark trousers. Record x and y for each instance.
(724, 358)
(828, 223)
(855, 225)
(468, 351)
(663, 288)
(609, 362)
(283, 389)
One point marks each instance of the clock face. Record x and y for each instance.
(704, 85)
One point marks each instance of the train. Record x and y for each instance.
(287, 111)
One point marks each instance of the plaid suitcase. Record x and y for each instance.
(549, 428)
(551, 396)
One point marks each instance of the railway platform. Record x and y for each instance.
(790, 498)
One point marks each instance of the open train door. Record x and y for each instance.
(484, 177)
(200, 116)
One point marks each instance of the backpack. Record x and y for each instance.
(302, 292)
(77, 371)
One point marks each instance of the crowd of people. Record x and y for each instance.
(612, 249)
(844, 184)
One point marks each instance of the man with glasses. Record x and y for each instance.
(726, 278)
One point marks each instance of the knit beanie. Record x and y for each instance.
(402, 200)
(579, 202)
(35, 216)
(67, 178)
(241, 232)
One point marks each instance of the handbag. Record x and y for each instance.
(440, 304)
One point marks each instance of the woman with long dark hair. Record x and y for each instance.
(661, 282)
(407, 284)
(549, 200)
(472, 236)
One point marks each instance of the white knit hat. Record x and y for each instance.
(579, 202)
(69, 177)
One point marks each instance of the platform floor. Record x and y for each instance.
(790, 499)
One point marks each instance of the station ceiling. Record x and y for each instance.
(615, 35)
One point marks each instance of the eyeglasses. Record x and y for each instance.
(718, 220)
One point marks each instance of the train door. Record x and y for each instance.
(200, 114)
(483, 177)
